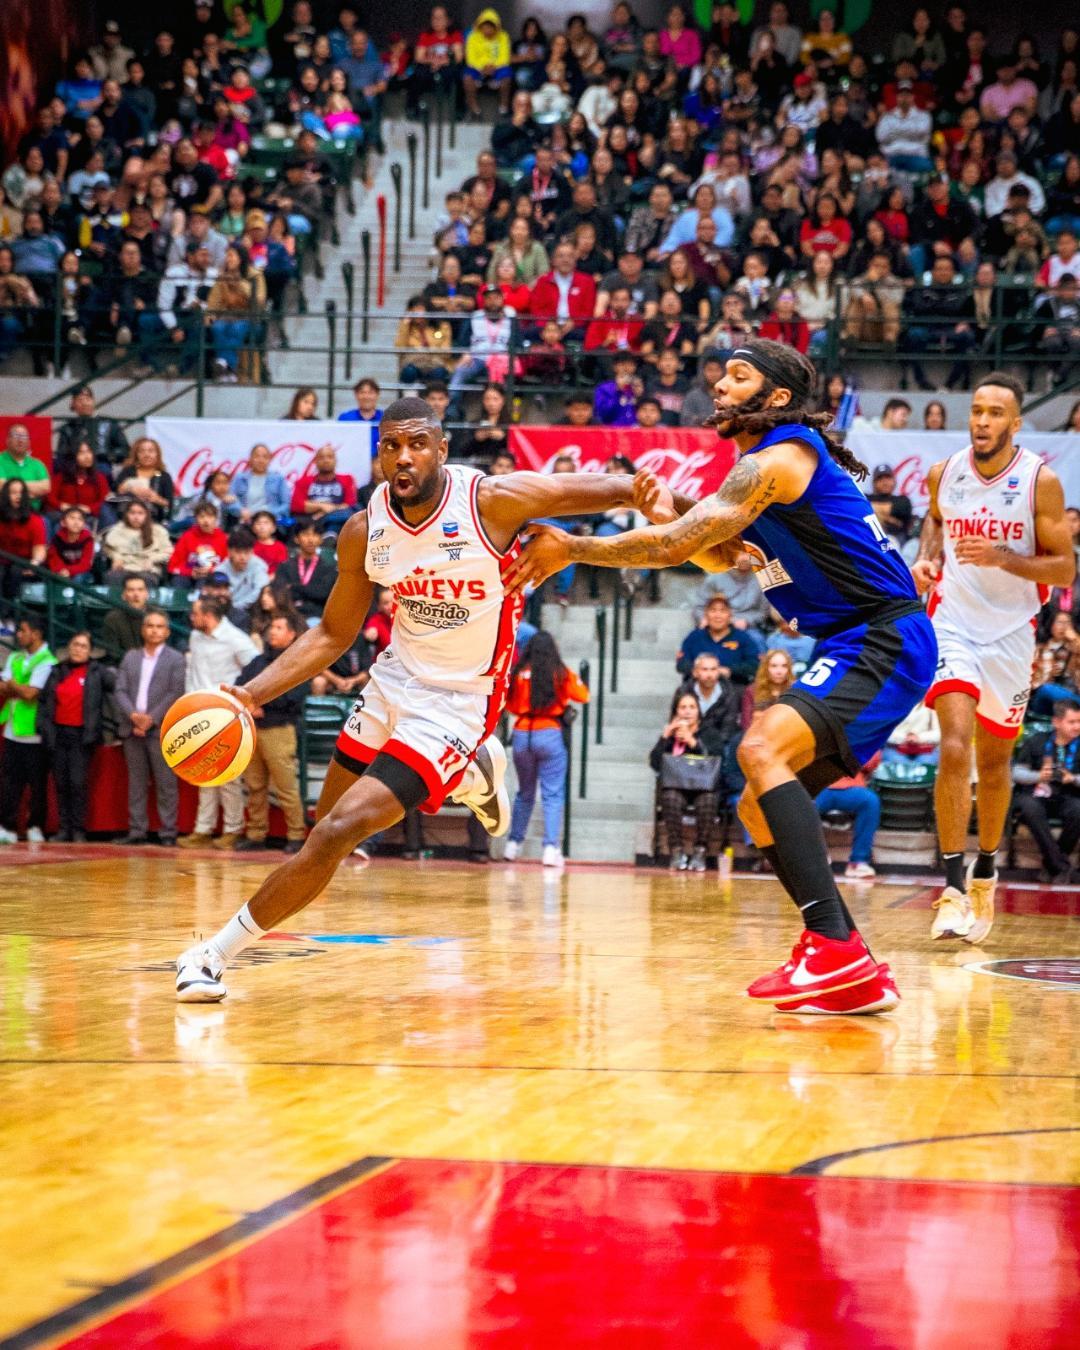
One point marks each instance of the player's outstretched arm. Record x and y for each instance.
(927, 565)
(508, 503)
(779, 474)
(336, 631)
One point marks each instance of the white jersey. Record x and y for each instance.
(454, 624)
(985, 602)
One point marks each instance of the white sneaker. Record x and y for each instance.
(552, 857)
(199, 973)
(8, 837)
(489, 801)
(954, 917)
(859, 871)
(34, 836)
(981, 890)
(511, 851)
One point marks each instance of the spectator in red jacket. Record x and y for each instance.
(380, 622)
(565, 295)
(78, 482)
(785, 325)
(201, 549)
(268, 546)
(617, 330)
(22, 534)
(71, 553)
(327, 496)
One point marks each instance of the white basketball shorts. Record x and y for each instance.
(996, 674)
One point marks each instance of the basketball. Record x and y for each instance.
(207, 738)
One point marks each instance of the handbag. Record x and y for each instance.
(691, 773)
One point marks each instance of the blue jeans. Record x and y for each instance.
(12, 333)
(865, 806)
(539, 755)
(1044, 698)
(229, 336)
(910, 164)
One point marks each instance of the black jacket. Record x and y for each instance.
(308, 598)
(287, 709)
(723, 716)
(98, 680)
(104, 434)
(710, 742)
(957, 223)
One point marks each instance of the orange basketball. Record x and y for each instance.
(207, 738)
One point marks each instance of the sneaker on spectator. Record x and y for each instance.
(859, 871)
(697, 861)
(221, 368)
(34, 835)
(76, 337)
(8, 837)
(679, 862)
(552, 857)
(194, 840)
(123, 336)
(511, 850)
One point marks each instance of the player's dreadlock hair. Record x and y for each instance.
(783, 368)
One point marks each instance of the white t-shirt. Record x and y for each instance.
(39, 677)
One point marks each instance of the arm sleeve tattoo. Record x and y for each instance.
(748, 489)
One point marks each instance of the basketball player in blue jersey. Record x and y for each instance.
(827, 565)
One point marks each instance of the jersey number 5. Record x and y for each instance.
(820, 672)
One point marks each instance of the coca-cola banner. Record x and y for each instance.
(689, 459)
(193, 447)
(911, 454)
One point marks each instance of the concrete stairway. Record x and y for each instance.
(613, 822)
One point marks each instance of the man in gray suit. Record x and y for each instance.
(150, 680)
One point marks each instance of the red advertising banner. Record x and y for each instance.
(689, 459)
(40, 429)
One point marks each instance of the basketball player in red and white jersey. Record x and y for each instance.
(440, 536)
(993, 543)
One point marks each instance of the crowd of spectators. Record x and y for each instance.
(660, 194)
(131, 216)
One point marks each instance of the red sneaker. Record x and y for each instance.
(818, 965)
(876, 995)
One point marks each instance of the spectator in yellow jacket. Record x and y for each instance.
(487, 61)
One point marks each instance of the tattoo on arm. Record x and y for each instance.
(745, 493)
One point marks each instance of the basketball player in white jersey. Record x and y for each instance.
(993, 543)
(440, 536)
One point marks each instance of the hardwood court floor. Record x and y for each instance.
(450, 1078)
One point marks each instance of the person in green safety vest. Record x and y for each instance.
(24, 762)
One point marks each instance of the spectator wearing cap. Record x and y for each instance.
(489, 343)
(109, 57)
(615, 400)
(217, 587)
(169, 336)
(1008, 176)
(904, 133)
(247, 574)
(804, 107)
(892, 508)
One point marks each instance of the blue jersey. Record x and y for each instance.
(826, 562)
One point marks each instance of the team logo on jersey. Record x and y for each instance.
(1013, 483)
(376, 534)
(450, 529)
(769, 572)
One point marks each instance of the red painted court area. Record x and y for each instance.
(427, 1255)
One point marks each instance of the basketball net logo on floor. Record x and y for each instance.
(1063, 971)
(297, 946)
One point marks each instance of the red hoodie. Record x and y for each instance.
(185, 556)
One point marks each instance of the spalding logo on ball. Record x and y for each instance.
(207, 738)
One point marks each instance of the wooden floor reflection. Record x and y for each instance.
(491, 1015)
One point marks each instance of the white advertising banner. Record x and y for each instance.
(911, 454)
(194, 447)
